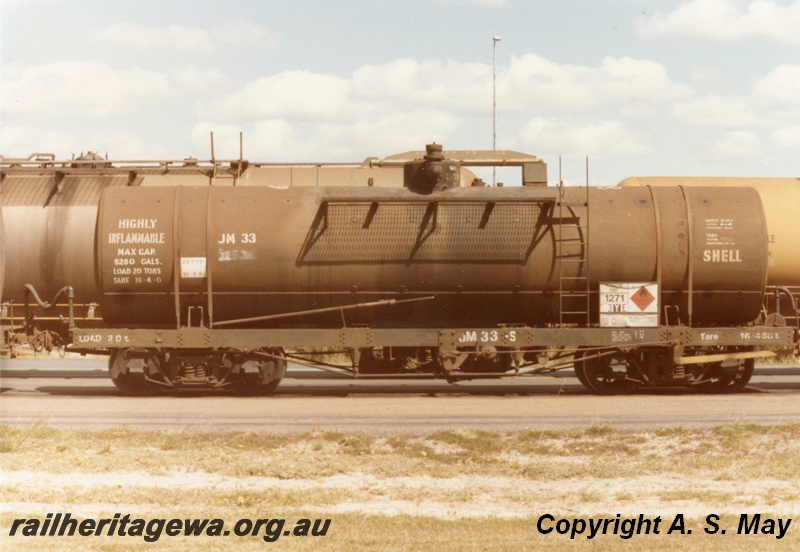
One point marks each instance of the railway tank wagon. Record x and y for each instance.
(197, 276)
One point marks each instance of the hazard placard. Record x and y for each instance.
(629, 304)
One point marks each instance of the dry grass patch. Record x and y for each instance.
(725, 452)
(452, 490)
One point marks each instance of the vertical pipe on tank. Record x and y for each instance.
(3, 291)
(690, 249)
(3, 346)
(176, 268)
(659, 243)
(585, 247)
(209, 250)
(2, 263)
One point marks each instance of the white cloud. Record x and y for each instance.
(779, 90)
(389, 132)
(429, 83)
(598, 139)
(380, 109)
(371, 92)
(92, 89)
(286, 140)
(533, 82)
(739, 146)
(22, 140)
(788, 138)
(263, 140)
(80, 89)
(235, 34)
(530, 83)
(297, 95)
(727, 20)
(715, 111)
(395, 106)
(19, 141)
(377, 108)
(384, 108)
(772, 98)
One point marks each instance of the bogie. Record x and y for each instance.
(148, 372)
(607, 372)
(724, 376)
(136, 372)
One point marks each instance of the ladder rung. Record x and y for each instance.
(574, 312)
(574, 277)
(573, 202)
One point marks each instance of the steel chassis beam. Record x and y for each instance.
(92, 340)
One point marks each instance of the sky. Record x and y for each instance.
(627, 87)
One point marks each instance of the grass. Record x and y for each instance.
(783, 358)
(730, 451)
(449, 490)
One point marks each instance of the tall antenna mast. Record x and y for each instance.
(495, 40)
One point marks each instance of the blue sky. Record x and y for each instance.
(641, 87)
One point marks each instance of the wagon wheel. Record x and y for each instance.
(579, 372)
(609, 374)
(720, 378)
(132, 384)
(259, 375)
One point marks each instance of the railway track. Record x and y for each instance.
(81, 396)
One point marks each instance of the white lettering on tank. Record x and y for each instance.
(135, 237)
(137, 223)
(722, 256)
